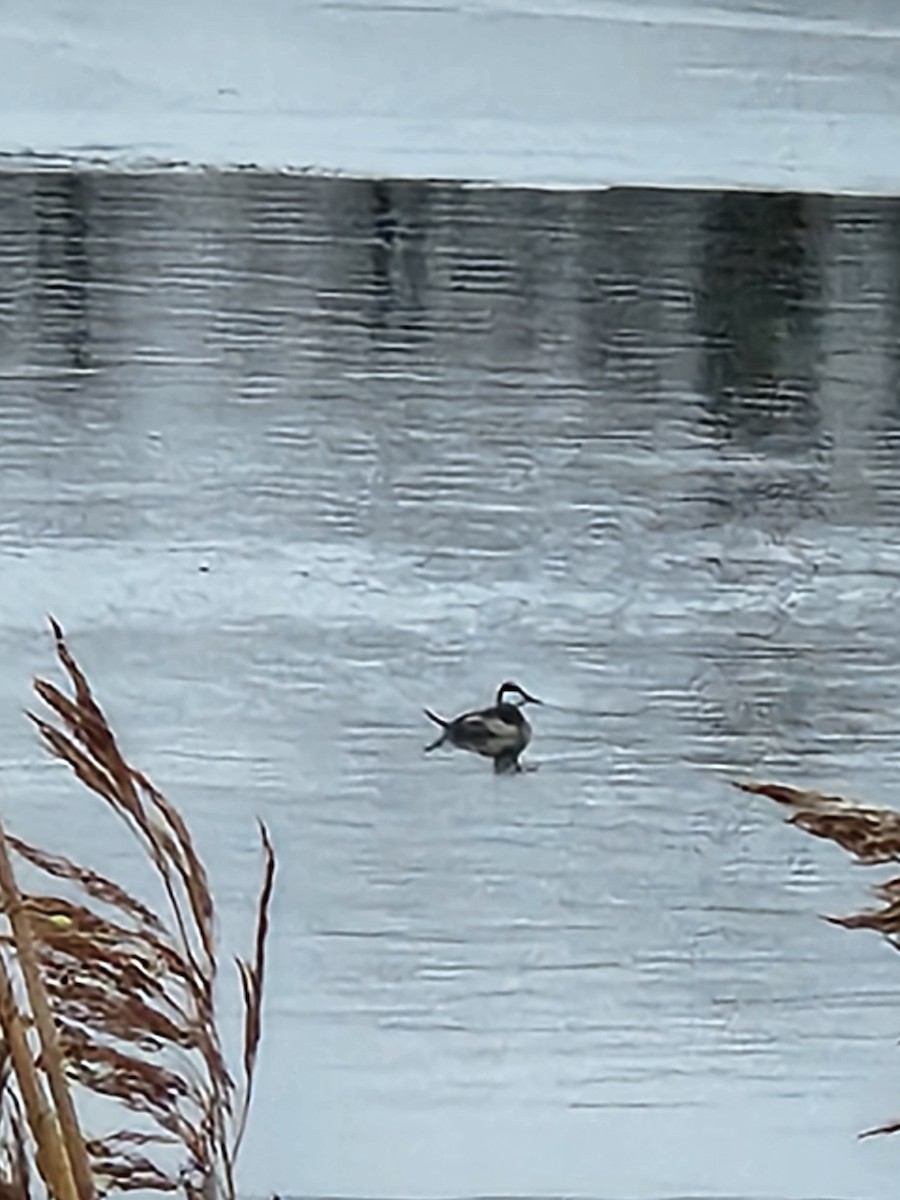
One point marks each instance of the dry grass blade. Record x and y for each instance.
(84, 700)
(130, 1137)
(15, 1173)
(126, 1171)
(97, 886)
(141, 1087)
(885, 921)
(869, 833)
(252, 982)
(106, 770)
(86, 770)
(125, 1018)
(189, 867)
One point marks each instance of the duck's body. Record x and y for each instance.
(501, 732)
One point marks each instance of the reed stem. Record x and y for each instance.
(51, 1156)
(51, 1055)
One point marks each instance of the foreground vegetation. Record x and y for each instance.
(103, 993)
(871, 835)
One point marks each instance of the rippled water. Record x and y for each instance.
(291, 459)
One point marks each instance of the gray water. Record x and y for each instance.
(291, 459)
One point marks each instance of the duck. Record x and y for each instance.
(500, 732)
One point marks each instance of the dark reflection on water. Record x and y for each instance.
(758, 304)
(399, 264)
(293, 458)
(59, 226)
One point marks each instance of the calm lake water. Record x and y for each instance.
(291, 459)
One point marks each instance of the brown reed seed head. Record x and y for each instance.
(130, 990)
(871, 834)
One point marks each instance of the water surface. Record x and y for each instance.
(291, 459)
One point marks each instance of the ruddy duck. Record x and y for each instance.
(500, 733)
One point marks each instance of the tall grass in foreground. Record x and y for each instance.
(102, 991)
(871, 835)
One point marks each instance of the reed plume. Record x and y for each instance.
(102, 992)
(871, 835)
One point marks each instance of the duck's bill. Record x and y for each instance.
(531, 699)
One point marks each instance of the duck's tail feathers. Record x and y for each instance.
(438, 721)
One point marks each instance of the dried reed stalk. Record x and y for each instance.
(51, 1155)
(870, 834)
(51, 1055)
(121, 1000)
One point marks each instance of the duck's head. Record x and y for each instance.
(517, 694)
